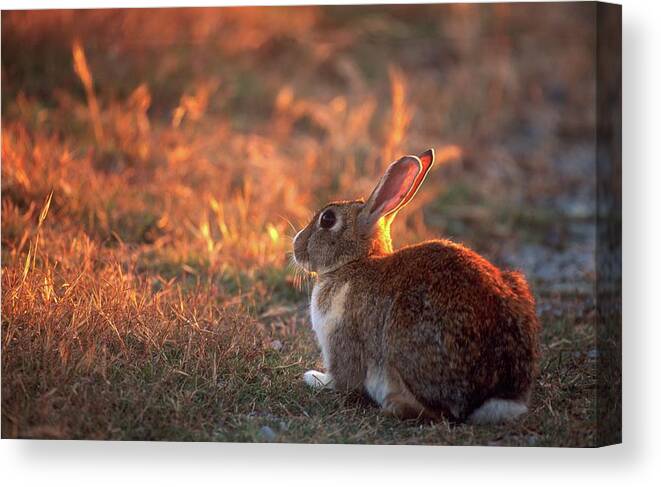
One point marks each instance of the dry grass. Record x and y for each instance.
(155, 165)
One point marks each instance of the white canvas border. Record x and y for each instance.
(109, 463)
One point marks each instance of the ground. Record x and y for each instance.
(155, 165)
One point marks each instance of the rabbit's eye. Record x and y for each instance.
(327, 219)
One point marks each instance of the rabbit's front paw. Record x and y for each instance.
(318, 380)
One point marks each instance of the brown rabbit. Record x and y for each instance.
(429, 330)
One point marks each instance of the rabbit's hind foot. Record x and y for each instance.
(318, 380)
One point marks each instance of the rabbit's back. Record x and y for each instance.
(459, 330)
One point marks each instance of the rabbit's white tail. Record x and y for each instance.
(496, 410)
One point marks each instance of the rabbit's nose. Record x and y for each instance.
(296, 237)
(295, 245)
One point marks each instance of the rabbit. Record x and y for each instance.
(429, 331)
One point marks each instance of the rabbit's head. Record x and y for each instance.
(345, 231)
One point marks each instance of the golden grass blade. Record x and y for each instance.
(82, 70)
(400, 115)
(44, 209)
(26, 266)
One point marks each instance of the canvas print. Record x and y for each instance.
(374, 224)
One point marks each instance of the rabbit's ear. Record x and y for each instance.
(427, 160)
(391, 192)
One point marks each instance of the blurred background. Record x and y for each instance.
(182, 148)
(284, 109)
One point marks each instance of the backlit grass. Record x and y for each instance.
(156, 163)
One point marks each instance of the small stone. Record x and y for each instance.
(266, 433)
(593, 353)
(276, 345)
